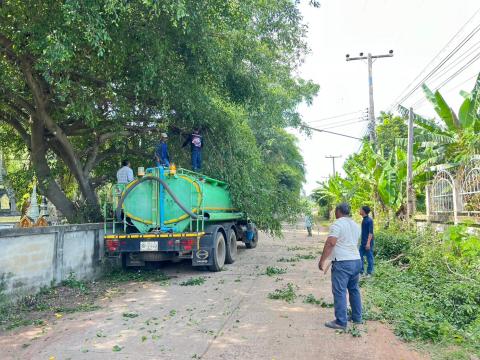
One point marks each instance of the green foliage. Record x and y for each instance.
(376, 176)
(434, 295)
(392, 242)
(130, 315)
(193, 281)
(73, 283)
(138, 68)
(311, 299)
(120, 276)
(272, 271)
(287, 293)
(453, 139)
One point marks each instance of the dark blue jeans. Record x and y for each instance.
(345, 276)
(369, 255)
(196, 160)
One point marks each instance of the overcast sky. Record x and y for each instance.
(415, 29)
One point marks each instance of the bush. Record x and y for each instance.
(390, 243)
(434, 293)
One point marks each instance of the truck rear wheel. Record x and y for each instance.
(231, 254)
(253, 244)
(219, 252)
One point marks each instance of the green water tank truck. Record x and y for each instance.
(171, 214)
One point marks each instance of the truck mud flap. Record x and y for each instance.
(203, 255)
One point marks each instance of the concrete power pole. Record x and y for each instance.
(410, 189)
(371, 108)
(333, 162)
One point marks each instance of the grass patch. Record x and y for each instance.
(121, 276)
(307, 257)
(130, 315)
(193, 281)
(272, 271)
(73, 283)
(71, 296)
(286, 294)
(289, 260)
(295, 248)
(311, 299)
(117, 348)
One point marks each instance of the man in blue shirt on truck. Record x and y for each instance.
(161, 152)
(366, 245)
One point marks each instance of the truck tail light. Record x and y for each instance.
(187, 244)
(112, 245)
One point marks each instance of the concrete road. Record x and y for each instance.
(229, 316)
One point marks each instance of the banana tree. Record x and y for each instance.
(454, 137)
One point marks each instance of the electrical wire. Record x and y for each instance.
(466, 54)
(331, 132)
(335, 116)
(424, 99)
(346, 124)
(448, 57)
(433, 59)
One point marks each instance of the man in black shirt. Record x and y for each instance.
(366, 245)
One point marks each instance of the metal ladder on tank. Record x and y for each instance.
(200, 220)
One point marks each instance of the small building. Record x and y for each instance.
(9, 215)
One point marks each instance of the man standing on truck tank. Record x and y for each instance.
(341, 247)
(196, 145)
(161, 152)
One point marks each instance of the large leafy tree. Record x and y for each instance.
(87, 83)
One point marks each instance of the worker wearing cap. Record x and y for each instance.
(161, 152)
(196, 144)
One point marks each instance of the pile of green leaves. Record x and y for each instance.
(432, 293)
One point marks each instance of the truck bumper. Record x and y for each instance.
(165, 246)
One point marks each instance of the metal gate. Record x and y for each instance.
(443, 194)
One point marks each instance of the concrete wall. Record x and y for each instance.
(32, 258)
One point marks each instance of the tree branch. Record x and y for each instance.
(93, 156)
(8, 118)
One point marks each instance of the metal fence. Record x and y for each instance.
(455, 193)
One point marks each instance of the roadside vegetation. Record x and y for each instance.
(71, 296)
(426, 283)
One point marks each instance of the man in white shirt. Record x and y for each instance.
(125, 173)
(341, 248)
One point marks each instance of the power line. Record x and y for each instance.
(459, 71)
(346, 124)
(334, 117)
(343, 121)
(434, 58)
(424, 99)
(330, 132)
(467, 53)
(436, 68)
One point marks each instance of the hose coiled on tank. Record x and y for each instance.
(167, 188)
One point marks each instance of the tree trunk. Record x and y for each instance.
(46, 183)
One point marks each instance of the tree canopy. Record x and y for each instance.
(85, 84)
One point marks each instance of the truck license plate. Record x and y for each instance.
(148, 246)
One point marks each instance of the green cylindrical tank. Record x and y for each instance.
(149, 206)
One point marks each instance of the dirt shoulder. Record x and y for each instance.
(225, 315)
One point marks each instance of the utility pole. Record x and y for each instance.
(410, 190)
(371, 110)
(333, 162)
